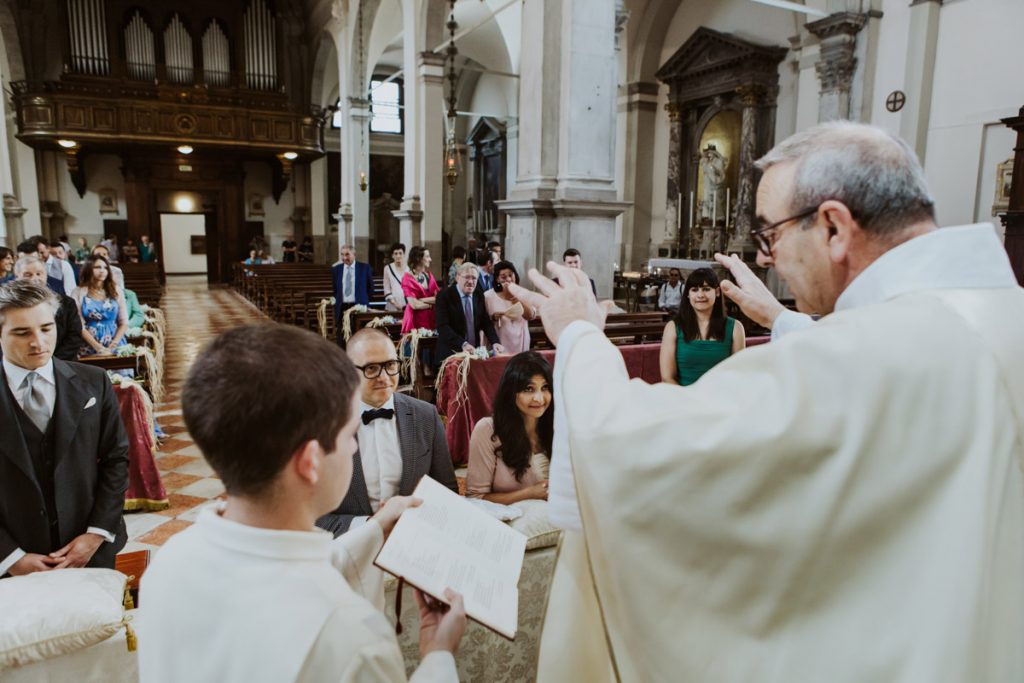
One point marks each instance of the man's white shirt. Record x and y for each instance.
(381, 458)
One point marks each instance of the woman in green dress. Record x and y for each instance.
(701, 336)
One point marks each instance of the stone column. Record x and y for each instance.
(676, 218)
(641, 110)
(355, 160)
(836, 61)
(751, 97)
(922, 41)
(565, 194)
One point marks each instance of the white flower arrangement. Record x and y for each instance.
(126, 350)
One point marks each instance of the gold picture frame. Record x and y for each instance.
(1004, 181)
(108, 200)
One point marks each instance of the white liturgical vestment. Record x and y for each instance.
(843, 504)
(232, 603)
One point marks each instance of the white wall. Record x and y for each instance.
(102, 171)
(177, 230)
(277, 215)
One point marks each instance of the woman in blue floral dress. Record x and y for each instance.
(102, 308)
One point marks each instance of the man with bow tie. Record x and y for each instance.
(400, 438)
(64, 451)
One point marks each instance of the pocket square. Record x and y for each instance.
(90, 403)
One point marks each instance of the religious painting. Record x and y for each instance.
(718, 169)
(256, 204)
(108, 200)
(1004, 181)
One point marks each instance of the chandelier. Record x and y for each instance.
(452, 160)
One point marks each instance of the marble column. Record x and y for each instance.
(565, 193)
(676, 217)
(641, 111)
(836, 61)
(919, 77)
(355, 161)
(751, 97)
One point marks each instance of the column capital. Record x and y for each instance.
(752, 94)
(674, 113)
(836, 73)
(839, 24)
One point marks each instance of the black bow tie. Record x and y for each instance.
(371, 415)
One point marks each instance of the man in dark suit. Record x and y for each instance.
(400, 438)
(69, 322)
(461, 316)
(64, 452)
(573, 259)
(353, 285)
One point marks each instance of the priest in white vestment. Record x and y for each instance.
(843, 504)
(253, 591)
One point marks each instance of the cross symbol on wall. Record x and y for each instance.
(895, 101)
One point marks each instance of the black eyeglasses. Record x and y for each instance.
(373, 370)
(762, 237)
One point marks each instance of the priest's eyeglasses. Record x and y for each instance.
(764, 237)
(373, 370)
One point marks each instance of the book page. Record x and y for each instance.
(449, 543)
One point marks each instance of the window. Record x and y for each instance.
(385, 106)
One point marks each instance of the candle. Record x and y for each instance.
(727, 214)
(691, 209)
(679, 214)
(714, 208)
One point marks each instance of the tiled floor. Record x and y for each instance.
(195, 314)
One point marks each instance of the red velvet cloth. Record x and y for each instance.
(641, 361)
(145, 489)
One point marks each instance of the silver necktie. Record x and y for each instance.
(33, 402)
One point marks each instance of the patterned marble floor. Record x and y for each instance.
(195, 314)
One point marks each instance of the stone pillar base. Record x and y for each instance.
(539, 230)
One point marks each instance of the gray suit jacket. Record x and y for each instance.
(424, 451)
(90, 474)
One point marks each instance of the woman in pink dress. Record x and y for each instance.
(511, 318)
(420, 289)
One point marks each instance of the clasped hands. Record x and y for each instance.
(77, 553)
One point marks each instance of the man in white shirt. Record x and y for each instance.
(670, 295)
(401, 438)
(63, 450)
(57, 268)
(843, 504)
(253, 591)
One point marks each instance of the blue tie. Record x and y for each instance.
(467, 310)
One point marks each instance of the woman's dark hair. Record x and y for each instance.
(304, 386)
(505, 265)
(86, 277)
(5, 252)
(687, 317)
(415, 257)
(396, 246)
(513, 443)
(458, 252)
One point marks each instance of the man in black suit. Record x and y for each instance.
(400, 438)
(64, 452)
(461, 316)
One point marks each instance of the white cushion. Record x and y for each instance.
(535, 525)
(48, 614)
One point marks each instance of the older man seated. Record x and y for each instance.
(462, 316)
(400, 438)
(69, 323)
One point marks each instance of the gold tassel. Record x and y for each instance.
(128, 602)
(133, 641)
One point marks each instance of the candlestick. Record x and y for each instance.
(727, 213)
(691, 210)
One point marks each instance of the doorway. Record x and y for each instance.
(183, 238)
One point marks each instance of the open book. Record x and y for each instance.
(449, 543)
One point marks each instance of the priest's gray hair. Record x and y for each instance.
(24, 294)
(875, 174)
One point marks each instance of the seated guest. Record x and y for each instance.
(458, 258)
(420, 290)
(393, 274)
(27, 249)
(130, 252)
(6, 265)
(101, 250)
(82, 252)
(136, 316)
(400, 438)
(462, 317)
(353, 285)
(57, 266)
(69, 324)
(670, 294)
(701, 336)
(306, 250)
(510, 452)
(511, 318)
(102, 308)
(65, 466)
(147, 250)
(289, 249)
(572, 258)
(253, 591)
